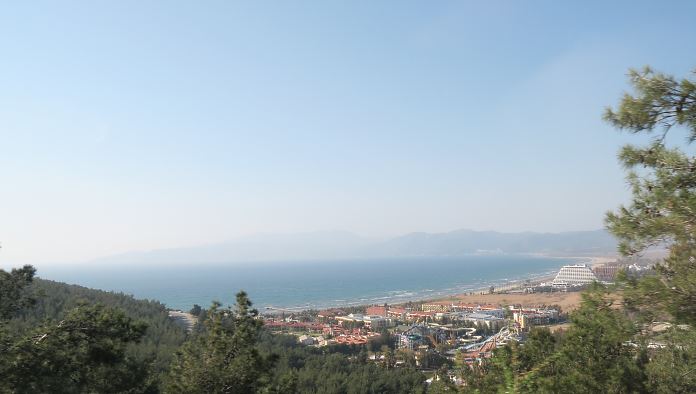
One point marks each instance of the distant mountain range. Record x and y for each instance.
(467, 242)
(345, 245)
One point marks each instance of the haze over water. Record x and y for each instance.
(309, 284)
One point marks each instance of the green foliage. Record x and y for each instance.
(660, 101)
(384, 339)
(84, 352)
(594, 355)
(498, 374)
(442, 383)
(663, 211)
(606, 349)
(342, 369)
(663, 181)
(65, 338)
(224, 358)
(539, 345)
(196, 310)
(158, 344)
(78, 340)
(671, 369)
(14, 294)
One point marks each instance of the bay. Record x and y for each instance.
(309, 284)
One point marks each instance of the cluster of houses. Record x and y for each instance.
(430, 324)
(459, 331)
(328, 331)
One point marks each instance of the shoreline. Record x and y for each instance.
(476, 291)
(566, 300)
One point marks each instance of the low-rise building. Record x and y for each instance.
(372, 321)
(492, 322)
(306, 340)
(437, 307)
(417, 316)
(527, 318)
(491, 310)
(387, 311)
(329, 314)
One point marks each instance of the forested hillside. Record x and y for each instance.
(54, 300)
(62, 338)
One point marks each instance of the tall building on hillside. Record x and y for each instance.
(574, 275)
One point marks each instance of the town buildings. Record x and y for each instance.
(528, 317)
(476, 318)
(607, 272)
(468, 332)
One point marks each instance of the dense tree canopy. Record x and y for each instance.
(663, 181)
(224, 357)
(65, 338)
(14, 294)
(85, 352)
(662, 212)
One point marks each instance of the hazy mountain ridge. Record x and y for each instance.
(468, 242)
(345, 245)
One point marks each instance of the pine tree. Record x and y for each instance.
(224, 357)
(83, 353)
(663, 182)
(662, 212)
(14, 293)
(606, 348)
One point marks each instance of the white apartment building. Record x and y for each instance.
(574, 275)
(372, 321)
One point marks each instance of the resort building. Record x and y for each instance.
(527, 318)
(412, 339)
(483, 309)
(479, 318)
(329, 314)
(574, 275)
(371, 321)
(387, 311)
(491, 310)
(436, 307)
(607, 273)
(420, 336)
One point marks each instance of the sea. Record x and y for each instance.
(299, 285)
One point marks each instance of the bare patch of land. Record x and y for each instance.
(186, 320)
(567, 301)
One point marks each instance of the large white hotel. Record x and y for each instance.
(574, 275)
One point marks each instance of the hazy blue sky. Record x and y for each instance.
(138, 125)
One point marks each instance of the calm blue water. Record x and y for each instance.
(308, 284)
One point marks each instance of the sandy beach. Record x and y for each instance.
(568, 301)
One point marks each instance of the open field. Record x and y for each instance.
(567, 301)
